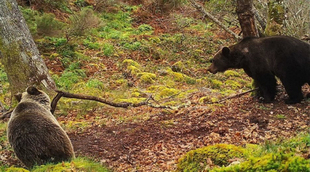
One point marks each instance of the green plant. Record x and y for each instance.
(108, 49)
(94, 83)
(30, 17)
(82, 22)
(69, 77)
(91, 45)
(47, 25)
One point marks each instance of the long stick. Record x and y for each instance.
(87, 97)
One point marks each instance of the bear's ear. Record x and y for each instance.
(33, 91)
(18, 96)
(225, 51)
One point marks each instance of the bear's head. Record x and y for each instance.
(32, 94)
(221, 61)
(225, 59)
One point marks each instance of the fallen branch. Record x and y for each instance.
(210, 16)
(233, 96)
(86, 97)
(6, 115)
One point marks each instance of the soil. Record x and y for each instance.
(157, 143)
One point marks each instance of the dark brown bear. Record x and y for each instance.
(264, 58)
(35, 134)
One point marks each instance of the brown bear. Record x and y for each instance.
(34, 133)
(264, 58)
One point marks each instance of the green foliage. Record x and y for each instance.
(30, 17)
(94, 83)
(82, 22)
(108, 49)
(3, 75)
(47, 25)
(132, 45)
(220, 154)
(145, 29)
(70, 77)
(91, 45)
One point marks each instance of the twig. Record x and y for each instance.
(210, 16)
(233, 96)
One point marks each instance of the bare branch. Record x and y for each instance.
(6, 115)
(233, 96)
(87, 97)
(210, 16)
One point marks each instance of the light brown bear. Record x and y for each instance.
(34, 133)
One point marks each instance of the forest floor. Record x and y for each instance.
(156, 144)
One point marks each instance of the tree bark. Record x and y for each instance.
(246, 18)
(18, 52)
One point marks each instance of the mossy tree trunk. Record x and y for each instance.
(18, 52)
(246, 18)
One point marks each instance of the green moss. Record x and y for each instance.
(74, 126)
(15, 62)
(216, 83)
(133, 70)
(178, 77)
(233, 84)
(220, 154)
(230, 73)
(130, 62)
(270, 162)
(133, 100)
(178, 67)
(167, 92)
(78, 164)
(208, 99)
(147, 78)
(15, 169)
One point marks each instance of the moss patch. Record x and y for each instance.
(199, 159)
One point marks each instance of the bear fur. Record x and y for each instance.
(34, 133)
(264, 58)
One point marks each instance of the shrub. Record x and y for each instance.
(47, 25)
(82, 22)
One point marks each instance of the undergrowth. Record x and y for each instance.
(282, 155)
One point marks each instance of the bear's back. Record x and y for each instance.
(36, 136)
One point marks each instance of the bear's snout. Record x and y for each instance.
(212, 69)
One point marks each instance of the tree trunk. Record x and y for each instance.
(18, 52)
(246, 18)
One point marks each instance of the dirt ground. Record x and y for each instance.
(157, 143)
